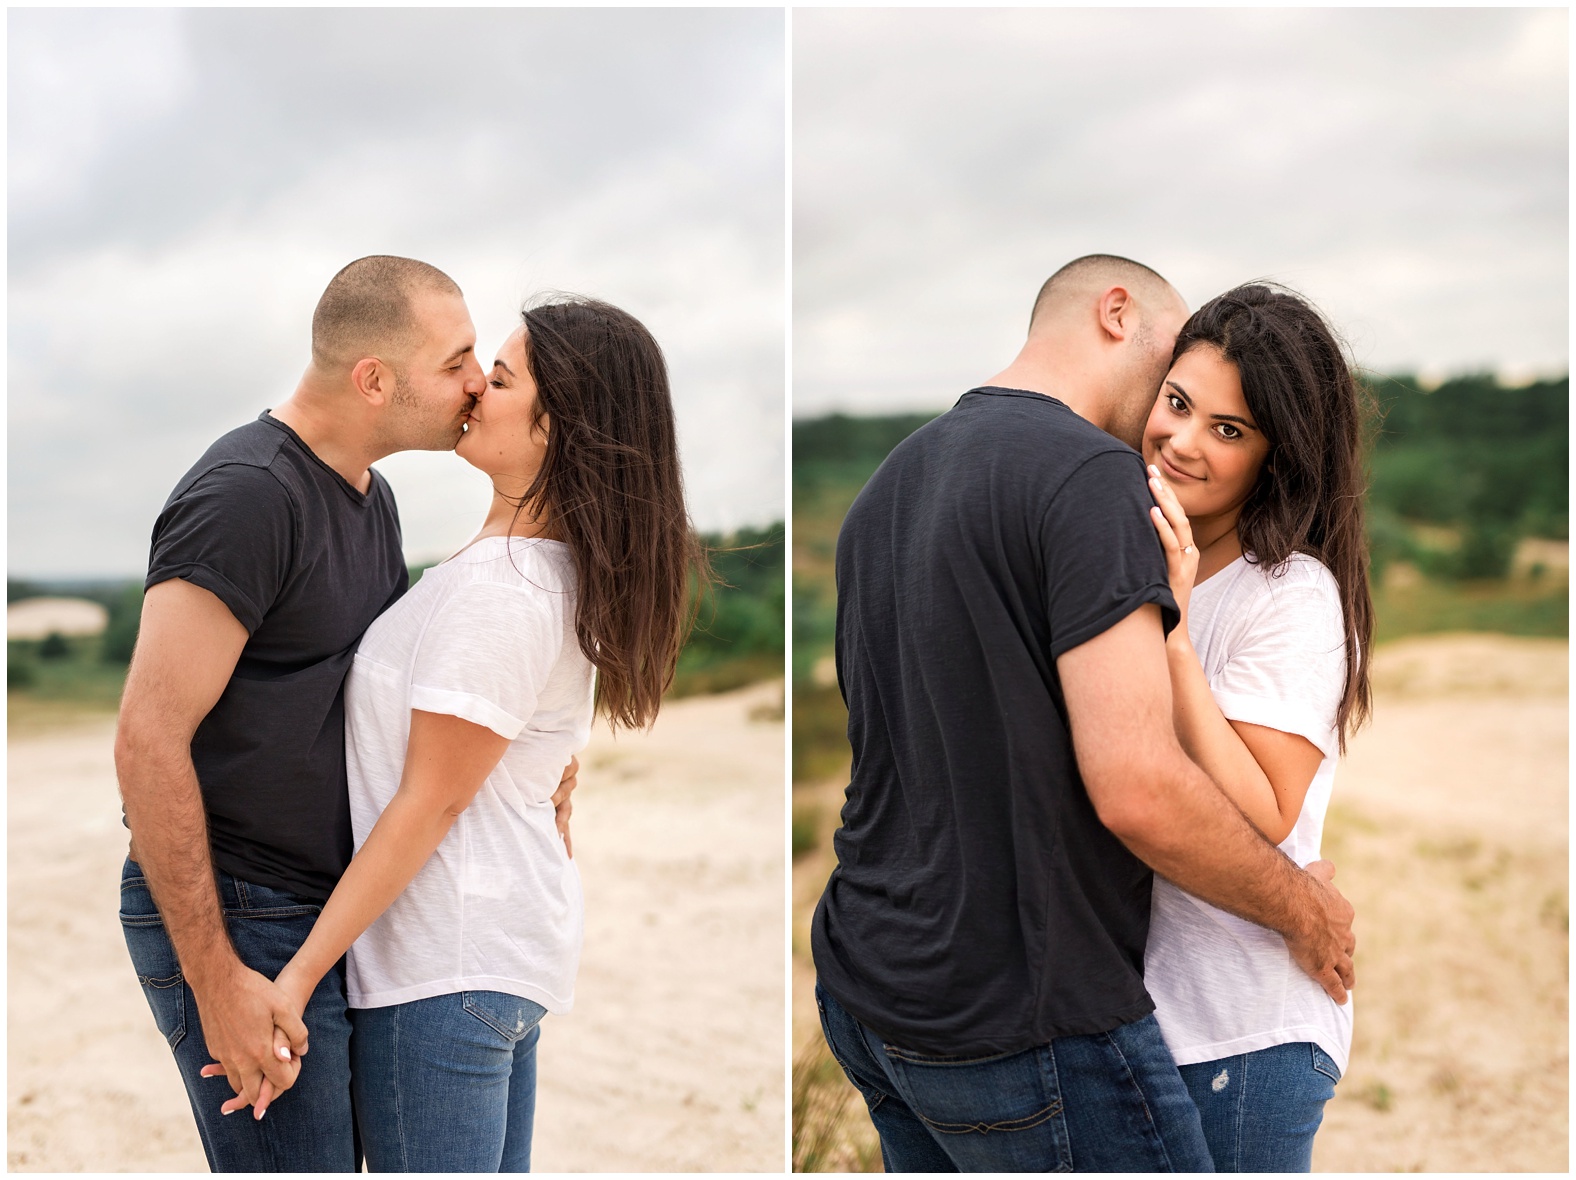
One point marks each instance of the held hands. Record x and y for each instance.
(253, 1028)
(561, 804)
(1176, 538)
(1324, 950)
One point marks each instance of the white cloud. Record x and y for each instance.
(1407, 168)
(639, 160)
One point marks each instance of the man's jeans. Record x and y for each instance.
(1109, 1102)
(1261, 1110)
(308, 1128)
(448, 1083)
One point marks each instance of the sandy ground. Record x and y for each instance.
(671, 1061)
(1449, 831)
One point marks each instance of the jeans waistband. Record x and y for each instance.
(236, 894)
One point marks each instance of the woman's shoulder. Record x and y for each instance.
(1300, 590)
(1298, 571)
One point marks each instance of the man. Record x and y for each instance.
(1002, 607)
(270, 559)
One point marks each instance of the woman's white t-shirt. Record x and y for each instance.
(488, 636)
(1272, 644)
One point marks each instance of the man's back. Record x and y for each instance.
(978, 904)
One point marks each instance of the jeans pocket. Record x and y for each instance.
(1325, 1064)
(511, 1017)
(153, 957)
(984, 1095)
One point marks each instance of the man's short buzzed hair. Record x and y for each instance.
(1101, 269)
(366, 309)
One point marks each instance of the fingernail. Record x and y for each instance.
(284, 1053)
(227, 1113)
(1154, 471)
(260, 1115)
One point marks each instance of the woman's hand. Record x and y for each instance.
(562, 807)
(1176, 538)
(299, 990)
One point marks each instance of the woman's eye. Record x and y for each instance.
(1177, 403)
(1229, 432)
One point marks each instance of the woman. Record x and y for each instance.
(1253, 447)
(466, 700)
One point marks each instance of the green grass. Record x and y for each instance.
(1504, 607)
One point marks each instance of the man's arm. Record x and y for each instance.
(187, 648)
(1173, 817)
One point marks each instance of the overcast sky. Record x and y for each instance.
(1405, 168)
(183, 183)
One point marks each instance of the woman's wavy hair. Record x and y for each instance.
(611, 485)
(1309, 494)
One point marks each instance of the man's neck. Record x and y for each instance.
(338, 439)
(1040, 370)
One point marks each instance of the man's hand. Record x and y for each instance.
(561, 804)
(239, 1012)
(1324, 949)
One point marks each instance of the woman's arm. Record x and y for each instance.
(446, 762)
(1265, 772)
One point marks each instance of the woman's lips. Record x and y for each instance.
(1174, 471)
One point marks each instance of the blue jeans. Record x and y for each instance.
(1108, 1102)
(447, 1084)
(308, 1128)
(1260, 1110)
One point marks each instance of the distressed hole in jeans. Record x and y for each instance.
(1220, 1081)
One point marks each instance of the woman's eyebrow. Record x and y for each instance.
(504, 367)
(1182, 393)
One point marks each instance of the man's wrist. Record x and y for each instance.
(212, 971)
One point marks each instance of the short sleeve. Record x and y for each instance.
(1101, 556)
(232, 532)
(1286, 669)
(486, 654)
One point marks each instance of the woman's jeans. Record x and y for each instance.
(1260, 1110)
(308, 1128)
(447, 1084)
(1108, 1102)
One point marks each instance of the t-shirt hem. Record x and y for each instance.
(1282, 715)
(1156, 592)
(467, 707)
(470, 983)
(1087, 1024)
(1195, 1054)
(211, 580)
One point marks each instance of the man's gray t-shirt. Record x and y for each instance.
(978, 905)
(305, 562)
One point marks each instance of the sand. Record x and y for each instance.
(1449, 831)
(671, 1061)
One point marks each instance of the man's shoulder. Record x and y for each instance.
(1022, 418)
(244, 459)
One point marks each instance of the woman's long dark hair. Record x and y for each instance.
(1309, 494)
(611, 486)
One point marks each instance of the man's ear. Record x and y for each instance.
(373, 380)
(1117, 314)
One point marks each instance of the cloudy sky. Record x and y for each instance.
(183, 183)
(1406, 168)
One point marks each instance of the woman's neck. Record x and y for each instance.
(1217, 540)
(505, 518)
